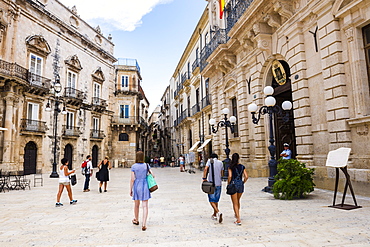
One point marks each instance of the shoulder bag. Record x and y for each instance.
(152, 184)
(209, 187)
(231, 188)
(73, 179)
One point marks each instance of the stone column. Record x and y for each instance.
(9, 102)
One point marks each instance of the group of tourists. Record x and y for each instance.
(237, 174)
(87, 170)
(139, 190)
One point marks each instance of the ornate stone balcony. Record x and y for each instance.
(29, 125)
(71, 131)
(73, 96)
(97, 134)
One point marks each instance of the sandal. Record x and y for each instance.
(143, 228)
(238, 223)
(135, 222)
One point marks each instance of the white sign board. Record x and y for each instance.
(338, 158)
(132, 144)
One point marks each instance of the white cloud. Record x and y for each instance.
(123, 15)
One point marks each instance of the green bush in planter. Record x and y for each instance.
(293, 180)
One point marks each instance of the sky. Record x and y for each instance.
(155, 32)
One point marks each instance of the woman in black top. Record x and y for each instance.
(239, 175)
(104, 168)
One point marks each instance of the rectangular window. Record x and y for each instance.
(36, 64)
(70, 120)
(33, 111)
(366, 34)
(124, 82)
(72, 78)
(96, 90)
(124, 111)
(36, 69)
(96, 126)
(234, 112)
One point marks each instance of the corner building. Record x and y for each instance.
(323, 48)
(43, 42)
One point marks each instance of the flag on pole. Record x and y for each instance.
(222, 6)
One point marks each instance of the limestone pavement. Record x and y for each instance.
(179, 215)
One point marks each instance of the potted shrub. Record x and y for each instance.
(293, 180)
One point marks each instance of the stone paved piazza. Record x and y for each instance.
(179, 215)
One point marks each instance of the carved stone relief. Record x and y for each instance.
(38, 44)
(73, 62)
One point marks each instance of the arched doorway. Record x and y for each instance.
(30, 158)
(284, 131)
(68, 153)
(95, 156)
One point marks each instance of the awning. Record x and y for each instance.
(194, 146)
(203, 145)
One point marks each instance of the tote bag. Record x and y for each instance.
(152, 184)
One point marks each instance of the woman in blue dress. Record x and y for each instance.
(139, 188)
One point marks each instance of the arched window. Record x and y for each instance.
(123, 137)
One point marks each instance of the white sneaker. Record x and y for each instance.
(219, 216)
(214, 217)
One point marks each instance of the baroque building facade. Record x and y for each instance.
(129, 126)
(322, 48)
(44, 42)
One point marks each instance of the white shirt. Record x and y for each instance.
(218, 166)
(89, 167)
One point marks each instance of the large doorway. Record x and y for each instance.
(284, 131)
(68, 153)
(30, 158)
(95, 156)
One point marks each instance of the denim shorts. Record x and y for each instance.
(215, 197)
(239, 186)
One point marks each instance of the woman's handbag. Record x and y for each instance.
(209, 187)
(152, 184)
(231, 188)
(97, 175)
(73, 179)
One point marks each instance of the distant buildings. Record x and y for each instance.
(321, 49)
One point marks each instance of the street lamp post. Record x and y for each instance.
(57, 89)
(227, 124)
(270, 108)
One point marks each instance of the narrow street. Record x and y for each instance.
(179, 215)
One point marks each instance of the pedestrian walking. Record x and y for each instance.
(104, 168)
(182, 163)
(88, 173)
(239, 176)
(214, 169)
(139, 188)
(64, 182)
(287, 153)
(162, 161)
(173, 160)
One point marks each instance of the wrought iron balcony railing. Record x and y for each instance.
(195, 109)
(71, 131)
(206, 101)
(219, 37)
(13, 70)
(195, 64)
(33, 125)
(71, 92)
(38, 80)
(97, 134)
(235, 10)
(184, 77)
(99, 102)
